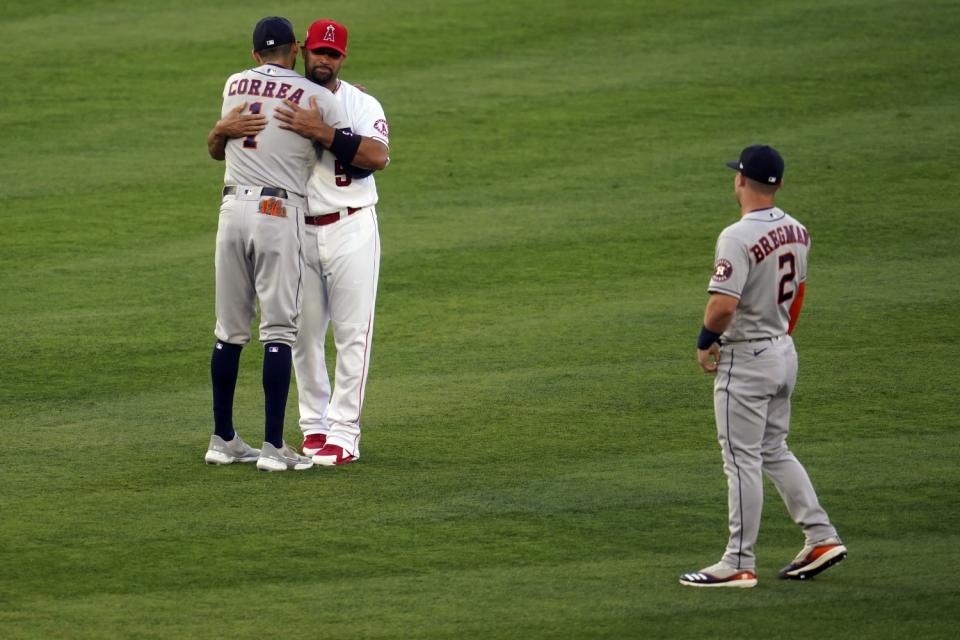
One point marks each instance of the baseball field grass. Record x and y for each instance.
(539, 457)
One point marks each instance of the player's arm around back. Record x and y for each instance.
(371, 154)
(235, 124)
(350, 148)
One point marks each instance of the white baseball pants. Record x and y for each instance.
(342, 265)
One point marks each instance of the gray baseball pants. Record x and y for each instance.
(751, 396)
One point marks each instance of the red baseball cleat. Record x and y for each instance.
(313, 443)
(332, 455)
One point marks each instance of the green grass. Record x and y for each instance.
(539, 458)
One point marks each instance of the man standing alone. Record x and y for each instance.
(756, 292)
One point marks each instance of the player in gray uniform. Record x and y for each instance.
(258, 252)
(756, 293)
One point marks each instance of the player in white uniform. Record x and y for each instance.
(342, 252)
(756, 293)
(258, 254)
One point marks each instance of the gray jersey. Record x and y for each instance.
(274, 157)
(761, 260)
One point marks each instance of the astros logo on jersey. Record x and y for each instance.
(722, 270)
(330, 35)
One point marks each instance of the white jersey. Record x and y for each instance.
(274, 157)
(329, 188)
(761, 260)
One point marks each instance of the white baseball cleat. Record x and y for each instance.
(720, 575)
(236, 450)
(282, 459)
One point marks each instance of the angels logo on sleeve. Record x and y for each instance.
(722, 270)
(382, 128)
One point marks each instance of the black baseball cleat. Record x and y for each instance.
(813, 559)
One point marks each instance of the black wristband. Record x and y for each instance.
(707, 338)
(345, 144)
(357, 173)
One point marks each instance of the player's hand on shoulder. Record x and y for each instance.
(237, 124)
(287, 114)
(709, 358)
(305, 122)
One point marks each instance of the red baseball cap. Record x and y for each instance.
(327, 34)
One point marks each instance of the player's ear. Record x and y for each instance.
(256, 57)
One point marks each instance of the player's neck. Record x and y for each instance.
(754, 202)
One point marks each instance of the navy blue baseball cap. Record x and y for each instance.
(272, 32)
(761, 163)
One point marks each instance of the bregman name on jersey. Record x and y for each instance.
(776, 238)
(264, 89)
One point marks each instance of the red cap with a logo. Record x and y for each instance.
(327, 34)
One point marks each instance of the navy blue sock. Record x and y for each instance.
(277, 362)
(224, 365)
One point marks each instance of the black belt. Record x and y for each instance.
(771, 339)
(269, 192)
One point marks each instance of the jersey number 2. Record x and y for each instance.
(250, 142)
(787, 278)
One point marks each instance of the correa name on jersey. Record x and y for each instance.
(265, 89)
(776, 238)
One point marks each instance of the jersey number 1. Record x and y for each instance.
(250, 142)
